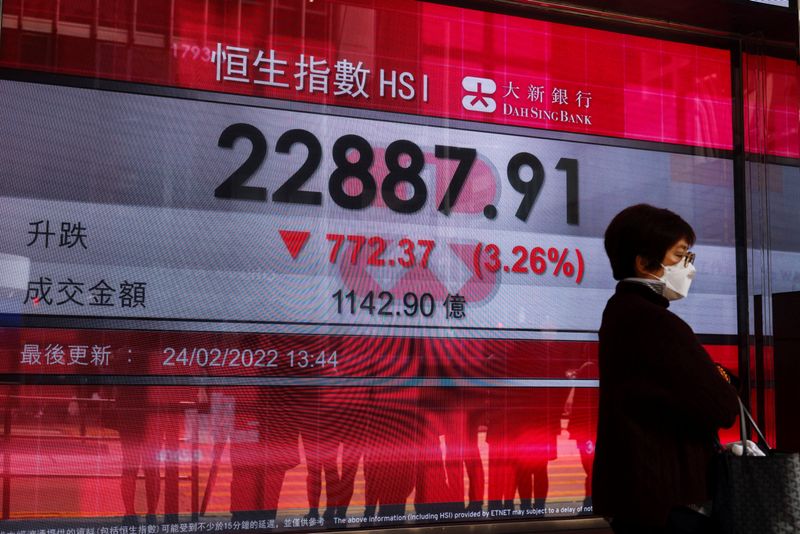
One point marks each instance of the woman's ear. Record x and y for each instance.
(640, 266)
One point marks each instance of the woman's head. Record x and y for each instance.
(641, 238)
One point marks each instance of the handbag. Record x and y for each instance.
(757, 494)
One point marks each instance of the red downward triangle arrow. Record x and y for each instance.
(294, 241)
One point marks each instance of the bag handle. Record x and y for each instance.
(743, 427)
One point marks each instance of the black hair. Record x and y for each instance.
(646, 231)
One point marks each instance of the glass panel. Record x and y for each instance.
(312, 264)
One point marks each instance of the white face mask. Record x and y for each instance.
(677, 279)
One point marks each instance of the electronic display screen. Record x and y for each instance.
(299, 266)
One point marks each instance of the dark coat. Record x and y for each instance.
(662, 401)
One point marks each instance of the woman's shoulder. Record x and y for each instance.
(641, 309)
(639, 312)
(630, 298)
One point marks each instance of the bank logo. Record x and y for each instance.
(478, 89)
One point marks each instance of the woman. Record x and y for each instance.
(662, 399)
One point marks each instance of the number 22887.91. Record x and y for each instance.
(354, 157)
